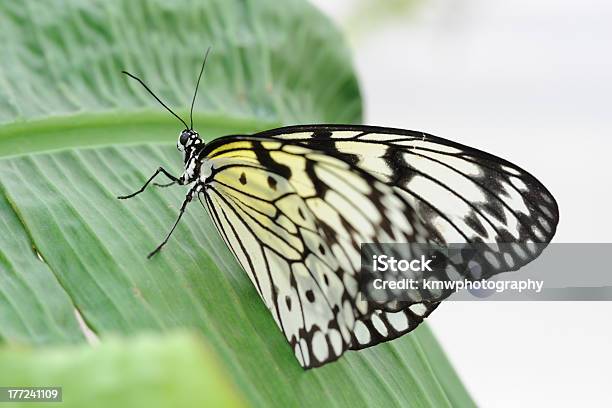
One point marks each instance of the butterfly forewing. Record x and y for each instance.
(464, 194)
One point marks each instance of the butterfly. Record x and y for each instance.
(294, 204)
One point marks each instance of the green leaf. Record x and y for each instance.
(76, 134)
(124, 373)
(268, 61)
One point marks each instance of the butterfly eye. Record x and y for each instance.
(184, 137)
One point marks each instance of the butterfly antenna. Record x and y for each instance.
(196, 88)
(155, 96)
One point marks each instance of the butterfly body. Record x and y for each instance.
(190, 144)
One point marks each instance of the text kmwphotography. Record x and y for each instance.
(497, 286)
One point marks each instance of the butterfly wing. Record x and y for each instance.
(294, 219)
(422, 189)
(465, 195)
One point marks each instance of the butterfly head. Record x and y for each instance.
(188, 139)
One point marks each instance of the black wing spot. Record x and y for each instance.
(320, 187)
(326, 280)
(243, 179)
(310, 295)
(263, 156)
(272, 182)
(321, 134)
(350, 158)
(474, 223)
(321, 249)
(288, 300)
(301, 213)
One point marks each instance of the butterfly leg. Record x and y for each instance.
(164, 184)
(194, 190)
(159, 170)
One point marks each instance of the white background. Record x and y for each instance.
(531, 81)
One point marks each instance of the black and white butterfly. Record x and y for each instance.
(294, 204)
